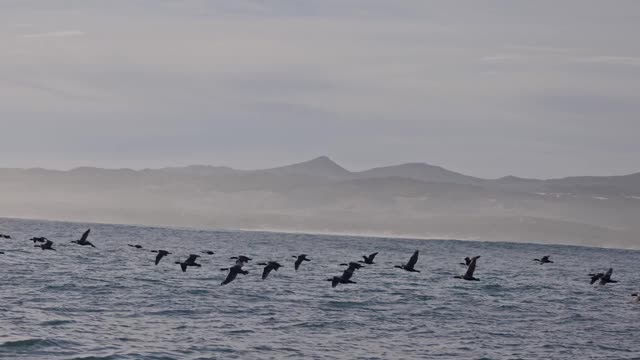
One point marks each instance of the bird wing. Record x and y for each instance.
(85, 235)
(372, 256)
(607, 275)
(414, 259)
(297, 263)
(266, 271)
(159, 257)
(191, 259)
(232, 275)
(471, 268)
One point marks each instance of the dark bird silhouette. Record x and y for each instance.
(472, 267)
(412, 262)
(268, 267)
(4, 236)
(191, 261)
(233, 272)
(369, 259)
(345, 278)
(208, 252)
(466, 262)
(605, 278)
(136, 246)
(636, 298)
(544, 260)
(299, 259)
(83, 240)
(38, 239)
(46, 246)
(241, 259)
(161, 254)
(1, 252)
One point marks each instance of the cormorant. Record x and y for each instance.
(369, 259)
(5, 236)
(271, 265)
(83, 240)
(241, 259)
(46, 246)
(544, 260)
(604, 278)
(345, 278)
(38, 239)
(208, 252)
(136, 246)
(233, 272)
(161, 254)
(299, 259)
(472, 267)
(412, 262)
(191, 261)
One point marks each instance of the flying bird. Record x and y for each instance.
(4, 236)
(544, 260)
(469, 274)
(605, 278)
(46, 246)
(191, 261)
(369, 259)
(268, 267)
(345, 278)
(161, 254)
(38, 239)
(136, 246)
(299, 259)
(233, 272)
(409, 266)
(83, 240)
(208, 252)
(241, 259)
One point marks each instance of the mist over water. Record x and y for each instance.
(114, 303)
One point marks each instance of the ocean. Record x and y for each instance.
(112, 302)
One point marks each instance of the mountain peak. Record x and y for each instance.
(320, 166)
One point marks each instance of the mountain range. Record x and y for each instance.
(319, 195)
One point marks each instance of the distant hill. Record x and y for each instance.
(319, 195)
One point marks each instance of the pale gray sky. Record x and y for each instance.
(489, 88)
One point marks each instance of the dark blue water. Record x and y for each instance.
(114, 303)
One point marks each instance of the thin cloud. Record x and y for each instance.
(65, 33)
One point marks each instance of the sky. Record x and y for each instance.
(544, 88)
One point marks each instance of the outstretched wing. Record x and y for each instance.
(372, 256)
(266, 271)
(85, 235)
(471, 268)
(607, 275)
(414, 259)
(232, 275)
(191, 259)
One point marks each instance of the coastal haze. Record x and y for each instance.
(320, 196)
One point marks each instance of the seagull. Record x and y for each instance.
(46, 246)
(369, 259)
(191, 261)
(161, 254)
(604, 278)
(83, 240)
(271, 265)
(299, 259)
(544, 260)
(233, 272)
(472, 267)
(412, 262)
